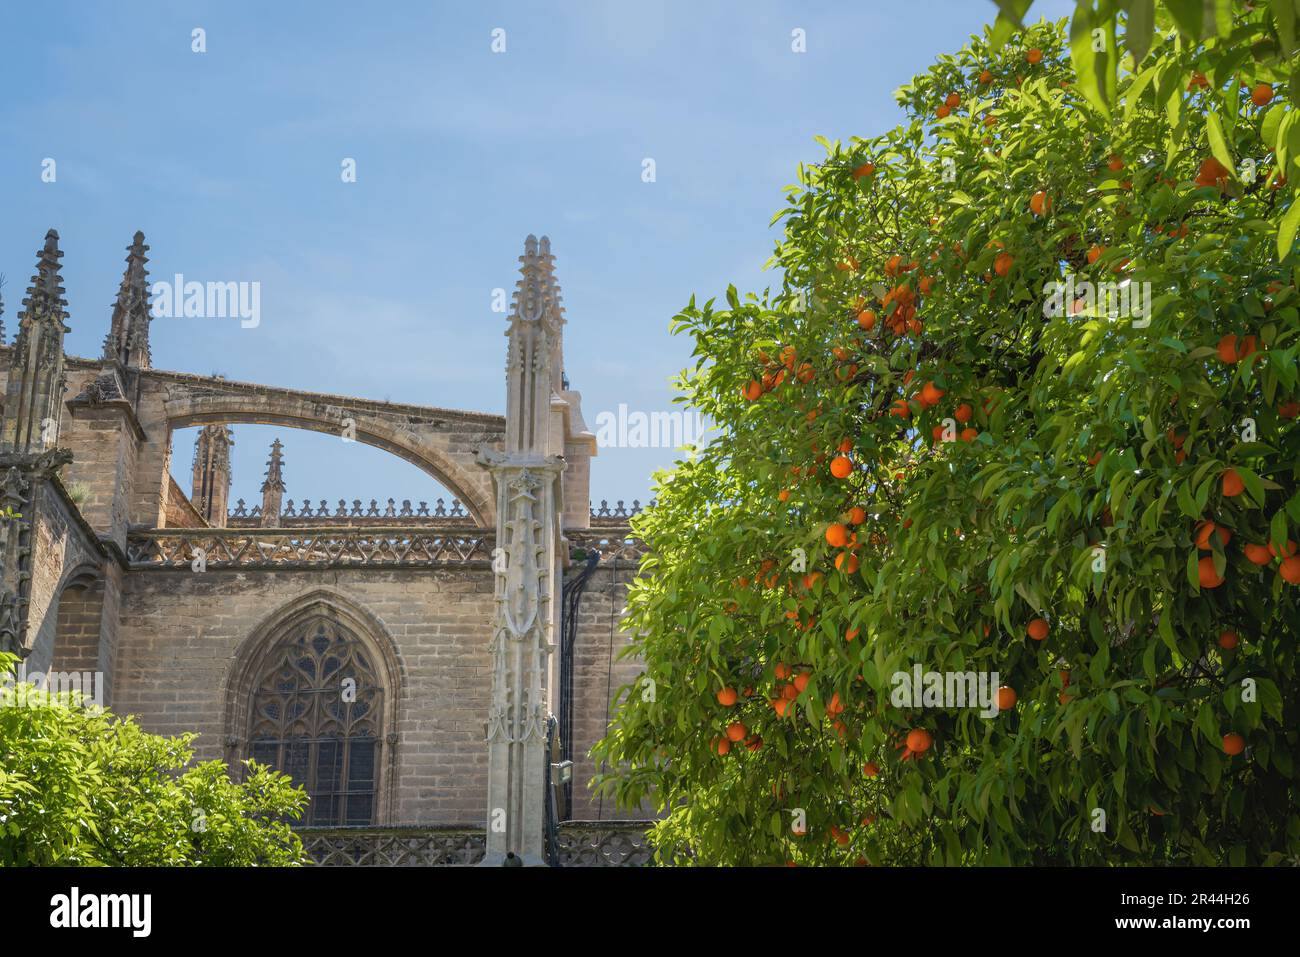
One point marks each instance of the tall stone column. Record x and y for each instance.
(526, 474)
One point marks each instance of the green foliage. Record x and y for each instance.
(79, 786)
(1095, 447)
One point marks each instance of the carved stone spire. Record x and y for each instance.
(127, 341)
(534, 356)
(273, 487)
(526, 560)
(34, 392)
(211, 485)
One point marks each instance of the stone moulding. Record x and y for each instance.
(318, 547)
(581, 844)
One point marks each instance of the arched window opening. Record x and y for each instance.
(77, 622)
(316, 714)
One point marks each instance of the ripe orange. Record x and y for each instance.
(953, 101)
(986, 77)
(1038, 629)
(841, 466)
(736, 731)
(900, 409)
(789, 692)
(865, 171)
(1002, 264)
(834, 706)
(1034, 56)
(969, 435)
(1207, 529)
(783, 495)
(1006, 698)
(1095, 253)
(1228, 640)
(943, 111)
(1288, 550)
(754, 743)
(867, 319)
(727, 697)
(962, 413)
(782, 671)
(1262, 95)
(724, 746)
(801, 681)
(837, 536)
(931, 393)
(857, 515)
(1233, 743)
(1232, 483)
(1290, 570)
(1208, 577)
(918, 740)
(1115, 163)
(1198, 80)
(1227, 349)
(753, 391)
(851, 634)
(1039, 203)
(1258, 554)
(871, 769)
(1212, 173)
(846, 562)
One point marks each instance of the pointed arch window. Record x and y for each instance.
(316, 715)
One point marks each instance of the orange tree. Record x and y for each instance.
(939, 446)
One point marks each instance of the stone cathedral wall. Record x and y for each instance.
(180, 631)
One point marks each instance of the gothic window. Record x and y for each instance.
(316, 713)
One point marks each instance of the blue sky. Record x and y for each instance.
(229, 161)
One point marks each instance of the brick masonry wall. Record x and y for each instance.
(79, 613)
(598, 673)
(180, 631)
(58, 548)
(103, 460)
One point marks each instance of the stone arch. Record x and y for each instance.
(250, 659)
(442, 443)
(78, 618)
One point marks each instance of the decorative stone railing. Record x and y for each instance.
(611, 541)
(242, 516)
(319, 547)
(619, 513)
(581, 844)
(303, 514)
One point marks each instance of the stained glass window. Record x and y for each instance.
(316, 716)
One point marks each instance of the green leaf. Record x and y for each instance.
(1287, 229)
(1095, 69)
(1139, 28)
(1284, 19)
(1218, 144)
(1188, 16)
